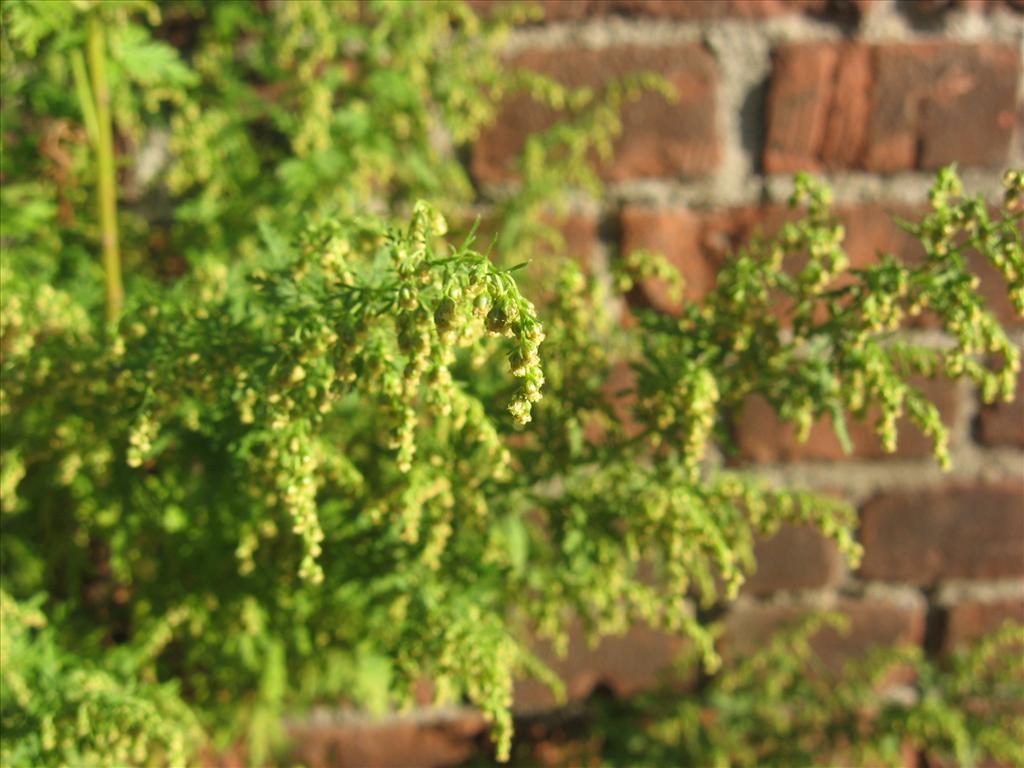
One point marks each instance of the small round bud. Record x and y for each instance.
(444, 315)
(481, 305)
(407, 298)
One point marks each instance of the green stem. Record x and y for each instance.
(105, 170)
(85, 99)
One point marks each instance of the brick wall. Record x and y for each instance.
(874, 96)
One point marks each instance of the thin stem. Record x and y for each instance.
(105, 170)
(85, 99)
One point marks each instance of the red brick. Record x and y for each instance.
(890, 107)
(938, 103)
(678, 235)
(699, 242)
(847, 111)
(797, 557)
(762, 436)
(956, 531)
(389, 743)
(659, 138)
(873, 622)
(994, 289)
(871, 229)
(972, 620)
(1003, 423)
(626, 664)
(817, 107)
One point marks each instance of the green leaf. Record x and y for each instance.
(839, 425)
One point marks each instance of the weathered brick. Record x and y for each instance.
(847, 109)
(1003, 423)
(698, 242)
(817, 107)
(890, 107)
(873, 622)
(938, 103)
(970, 620)
(762, 436)
(626, 664)
(947, 532)
(393, 742)
(797, 557)
(659, 138)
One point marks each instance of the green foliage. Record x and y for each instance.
(341, 452)
(206, 432)
(58, 709)
(781, 706)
